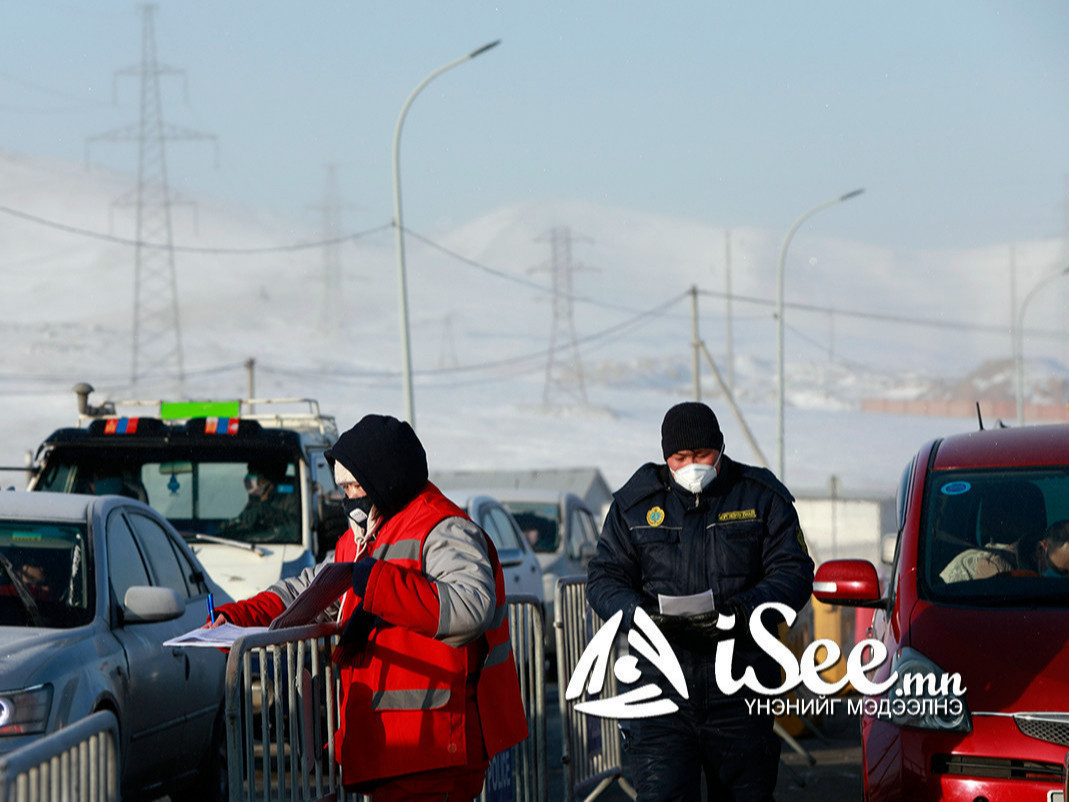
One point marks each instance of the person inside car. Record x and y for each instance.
(272, 508)
(1053, 557)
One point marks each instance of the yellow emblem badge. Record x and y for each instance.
(655, 517)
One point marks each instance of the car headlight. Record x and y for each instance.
(25, 712)
(924, 696)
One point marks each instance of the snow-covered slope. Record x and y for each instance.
(861, 322)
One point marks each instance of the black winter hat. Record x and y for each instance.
(688, 426)
(386, 458)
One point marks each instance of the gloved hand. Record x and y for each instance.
(741, 627)
(354, 636)
(361, 574)
(671, 626)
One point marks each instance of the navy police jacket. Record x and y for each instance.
(739, 537)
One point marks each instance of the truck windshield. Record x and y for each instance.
(253, 500)
(44, 575)
(997, 537)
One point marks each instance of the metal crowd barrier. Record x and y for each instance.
(521, 773)
(591, 747)
(282, 695)
(79, 763)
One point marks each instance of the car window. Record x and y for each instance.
(47, 562)
(160, 552)
(540, 523)
(986, 537)
(581, 531)
(497, 524)
(126, 569)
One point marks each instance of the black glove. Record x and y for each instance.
(354, 637)
(671, 626)
(361, 574)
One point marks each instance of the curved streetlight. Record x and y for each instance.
(1018, 341)
(779, 318)
(406, 350)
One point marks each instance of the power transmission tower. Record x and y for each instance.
(157, 334)
(564, 369)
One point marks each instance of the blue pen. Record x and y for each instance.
(211, 610)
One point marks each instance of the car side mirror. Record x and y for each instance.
(852, 583)
(508, 557)
(144, 604)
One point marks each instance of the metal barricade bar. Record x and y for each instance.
(527, 759)
(591, 746)
(79, 763)
(282, 709)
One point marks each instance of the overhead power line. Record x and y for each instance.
(85, 232)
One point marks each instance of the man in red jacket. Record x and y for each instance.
(429, 685)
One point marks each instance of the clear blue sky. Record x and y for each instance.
(954, 116)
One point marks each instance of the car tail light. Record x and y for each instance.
(25, 712)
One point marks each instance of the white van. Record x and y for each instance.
(245, 481)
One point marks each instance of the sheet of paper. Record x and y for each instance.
(695, 604)
(330, 583)
(218, 637)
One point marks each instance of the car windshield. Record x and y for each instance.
(254, 500)
(45, 576)
(997, 537)
(539, 522)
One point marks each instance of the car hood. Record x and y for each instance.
(1009, 660)
(26, 652)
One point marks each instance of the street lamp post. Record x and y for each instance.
(779, 318)
(1018, 341)
(402, 288)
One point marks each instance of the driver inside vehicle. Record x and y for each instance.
(272, 507)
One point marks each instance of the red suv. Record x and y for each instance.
(978, 589)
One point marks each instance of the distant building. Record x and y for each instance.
(846, 526)
(587, 483)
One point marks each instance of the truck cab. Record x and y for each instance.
(245, 482)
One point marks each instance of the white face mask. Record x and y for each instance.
(695, 477)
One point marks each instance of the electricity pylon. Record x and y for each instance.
(157, 333)
(564, 368)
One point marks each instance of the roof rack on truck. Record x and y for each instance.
(308, 419)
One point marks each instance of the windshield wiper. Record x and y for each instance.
(24, 595)
(225, 541)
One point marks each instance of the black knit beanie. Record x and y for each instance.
(386, 458)
(690, 426)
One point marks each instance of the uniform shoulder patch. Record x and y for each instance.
(655, 516)
(801, 541)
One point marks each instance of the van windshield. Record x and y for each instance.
(997, 537)
(251, 499)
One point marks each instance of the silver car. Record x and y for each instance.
(561, 528)
(522, 573)
(90, 588)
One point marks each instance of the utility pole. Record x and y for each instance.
(564, 374)
(157, 334)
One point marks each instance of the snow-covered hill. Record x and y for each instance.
(861, 322)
